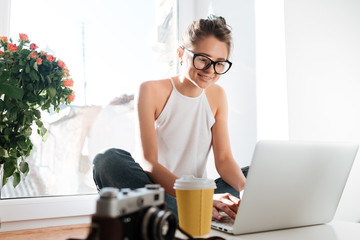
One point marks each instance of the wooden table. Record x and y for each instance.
(332, 231)
(51, 233)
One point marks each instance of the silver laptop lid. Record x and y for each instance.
(293, 184)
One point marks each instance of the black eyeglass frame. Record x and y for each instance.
(194, 55)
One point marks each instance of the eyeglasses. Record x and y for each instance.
(202, 62)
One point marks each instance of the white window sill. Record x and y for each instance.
(26, 213)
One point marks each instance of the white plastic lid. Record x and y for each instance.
(189, 182)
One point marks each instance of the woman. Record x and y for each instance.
(179, 120)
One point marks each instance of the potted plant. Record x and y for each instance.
(31, 81)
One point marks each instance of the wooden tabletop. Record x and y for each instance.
(79, 231)
(333, 231)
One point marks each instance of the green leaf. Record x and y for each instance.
(16, 179)
(4, 153)
(7, 131)
(28, 151)
(28, 132)
(37, 113)
(25, 52)
(35, 66)
(42, 78)
(23, 105)
(22, 144)
(4, 76)
(9, 169)
(4, 181)
(29, 87)
(52, 92)
(22, 62)
(24, 167)
(27, 68)
(33, 75)
(39, 123)
(12, 91)
(42, 131)
(12, 114)
(2, 105)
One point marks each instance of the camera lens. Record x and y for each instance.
(158, 225)
(165, 225)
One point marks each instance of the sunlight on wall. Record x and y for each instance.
(323, 58)
(271, 85)
(108, 49)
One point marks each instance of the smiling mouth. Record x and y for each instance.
(205, 78)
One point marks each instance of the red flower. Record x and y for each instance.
(50, 58)
(4, 39)
(60, 63)
(68, 82)
(65, 71)
(33, 55)
(43, 53)
(23, 37)
(1, 52)
(39, 61)
(12, 47)
(33, 46)
(71, 96)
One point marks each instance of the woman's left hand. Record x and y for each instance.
(227, 203)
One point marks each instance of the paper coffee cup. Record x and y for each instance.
(194, 198)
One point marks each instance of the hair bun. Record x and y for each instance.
(213, 17)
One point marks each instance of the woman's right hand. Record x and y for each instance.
(227, 203)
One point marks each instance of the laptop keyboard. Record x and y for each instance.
(225, 224)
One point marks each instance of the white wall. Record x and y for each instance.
(323, 70)
(239, 83)
(4, 17)
(271, 85)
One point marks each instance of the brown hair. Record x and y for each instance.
(202, 28)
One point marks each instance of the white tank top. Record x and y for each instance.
(184, 136)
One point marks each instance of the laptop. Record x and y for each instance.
(291, 184)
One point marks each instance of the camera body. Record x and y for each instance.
(115, 202)
(132, 214)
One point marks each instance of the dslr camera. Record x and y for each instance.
(132, 214)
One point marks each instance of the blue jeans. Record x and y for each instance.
(117, 168)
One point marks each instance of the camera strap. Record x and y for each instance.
(191, 238)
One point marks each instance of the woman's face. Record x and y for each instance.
(210, 47)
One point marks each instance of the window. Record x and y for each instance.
(110, 47)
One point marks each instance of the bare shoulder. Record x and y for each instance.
(216, 97)
(155, 87)
(154, 94)
(215, 91)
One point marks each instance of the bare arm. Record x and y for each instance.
(225, 164)
(147, 111)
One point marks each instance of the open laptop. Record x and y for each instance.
(292, 184)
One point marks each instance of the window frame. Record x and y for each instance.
(42, 211)
(35, 212)
(26, 213)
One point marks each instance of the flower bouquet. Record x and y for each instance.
(30, 81)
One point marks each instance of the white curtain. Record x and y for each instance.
(4, 17)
